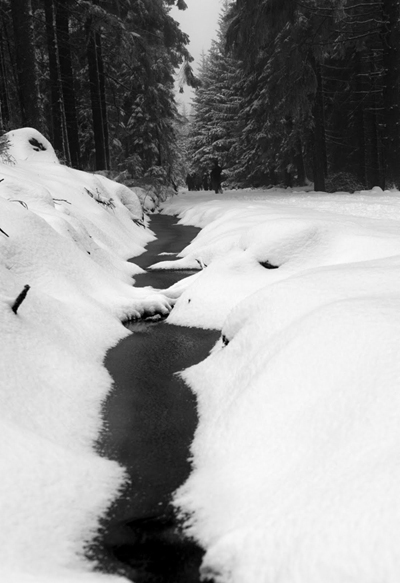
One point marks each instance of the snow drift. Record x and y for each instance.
(66, 234)
(295, 460)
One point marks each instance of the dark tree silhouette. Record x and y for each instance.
(95, 97)
(28, 88)
(103, 99)
(67, 80)
(56, 100)
(4, 108)
(391, 63)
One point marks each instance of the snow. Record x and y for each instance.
(287, 231)
(296, 457)
(66, 234)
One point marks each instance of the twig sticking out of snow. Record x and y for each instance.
(4, 233)
(61, 200)
(268, 265)
(201, 263)
(109, 203)
(20, 202)
(20, 299)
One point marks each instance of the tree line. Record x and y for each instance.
(302, 89)
(97, 78)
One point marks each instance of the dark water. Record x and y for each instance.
(171, 239)
(150, 419)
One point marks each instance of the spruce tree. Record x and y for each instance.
(106, 79)
(214, 130)
(321, 87)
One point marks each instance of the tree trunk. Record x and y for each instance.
(28, 85)
(94, 83)
(319, 145)
(375, 178)
(374, 170)
(103, 101)
(360, 121)
(371, 95)
(300, 168)
(4, 108)
(57, 112)
(67, 81)
(391, 60)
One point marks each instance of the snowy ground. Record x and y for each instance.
(66, 234)
(296, 458)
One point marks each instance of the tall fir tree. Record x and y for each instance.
(106, 79)
(321, 87)
(214, 132)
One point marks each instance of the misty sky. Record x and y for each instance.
(200, 22)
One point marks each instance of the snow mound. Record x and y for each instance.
(295, 472)
(65, 236)
(29, 145)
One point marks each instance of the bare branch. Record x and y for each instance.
(20, 299)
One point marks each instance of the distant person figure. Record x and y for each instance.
(189, 181)
(215, 177)
(206, 181)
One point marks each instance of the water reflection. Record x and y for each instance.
(150, 419)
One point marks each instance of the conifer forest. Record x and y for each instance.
(290, 93)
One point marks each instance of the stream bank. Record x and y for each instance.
(150, 418)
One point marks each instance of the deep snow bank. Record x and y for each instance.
(296, 473)
(66, 234)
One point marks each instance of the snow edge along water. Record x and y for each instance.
(295, 471)
(66, 234)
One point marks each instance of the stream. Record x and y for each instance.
(150, 418)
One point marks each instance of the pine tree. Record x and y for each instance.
(277, 117)
(106, 80)
(148, 48)
(321, 86)
(214, 131)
